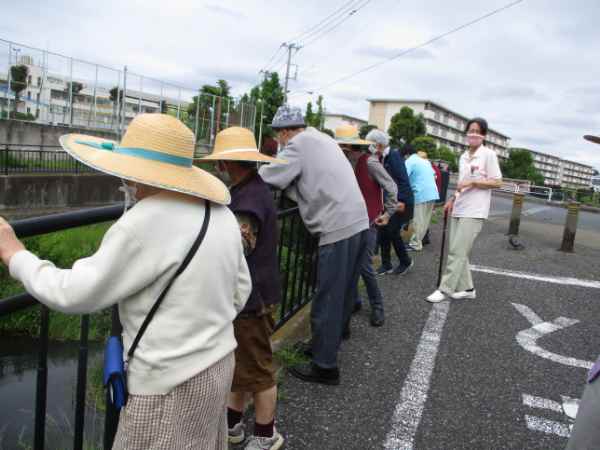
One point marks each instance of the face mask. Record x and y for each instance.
(474, 140)
(130, 194)
(373, 149)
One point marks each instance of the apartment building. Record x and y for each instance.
(562, 172)
(447, 127)
(332, 121)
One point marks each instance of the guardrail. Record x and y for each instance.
(38, 159)
(297, 254)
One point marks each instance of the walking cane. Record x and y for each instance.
(439, 280)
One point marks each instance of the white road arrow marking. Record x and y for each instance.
(548, 426)
(528, 338)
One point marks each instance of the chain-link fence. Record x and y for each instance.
(45, 87)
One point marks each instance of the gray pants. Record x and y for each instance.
(421, 221)
(368, 275)
(337, 278)
(463, 232)
(586, 432)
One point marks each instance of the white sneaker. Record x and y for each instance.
(465, 295)
(436, 297)
(237, 434)
(265, 443)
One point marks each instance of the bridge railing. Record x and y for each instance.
(38, 159)
(297, 253)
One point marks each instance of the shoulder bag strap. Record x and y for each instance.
(181, 268)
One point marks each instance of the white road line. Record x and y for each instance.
(537, 277)
(532, 211)
(541, 403)
(547, 426)
(528, 338)
(413, 396)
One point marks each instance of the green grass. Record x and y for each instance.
(287, 357)
(63, 249)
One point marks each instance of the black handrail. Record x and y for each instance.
(299, 281)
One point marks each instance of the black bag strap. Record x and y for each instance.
(183, 266)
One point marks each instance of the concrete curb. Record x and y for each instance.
(296, 329)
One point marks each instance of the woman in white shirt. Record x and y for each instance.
(180, 374)
(479, 173)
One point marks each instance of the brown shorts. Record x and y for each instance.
(254, 369)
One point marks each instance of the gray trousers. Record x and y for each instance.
(367, 273)
(421, 221)
(463, 232)
(337, 278)
(586, 432)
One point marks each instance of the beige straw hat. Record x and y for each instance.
(156, 150)
(348, 134)
(238, 144)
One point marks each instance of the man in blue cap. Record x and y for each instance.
(319, 177)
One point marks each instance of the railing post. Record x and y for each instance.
(111, 419)
(568, 241)
(42, 382)
(81, 383)
(515, 216)
(6, 157)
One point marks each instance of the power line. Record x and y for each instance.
(265, 68)
(340, 21)
(314, 28)
(421, 45)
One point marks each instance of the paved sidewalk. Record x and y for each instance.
(482, 380)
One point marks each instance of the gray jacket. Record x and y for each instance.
(322, 181)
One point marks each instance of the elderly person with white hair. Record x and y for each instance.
(179, 250)
(390, 234)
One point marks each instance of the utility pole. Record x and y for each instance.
(291, 47)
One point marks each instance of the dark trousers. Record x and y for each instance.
(368, 275)
(390, 235)
(337, 277)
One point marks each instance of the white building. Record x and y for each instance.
(562, 172)
(332, 121)
(447, 127)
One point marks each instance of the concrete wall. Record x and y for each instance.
(22, 192)
(28, 133)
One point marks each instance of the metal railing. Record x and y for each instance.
(38, 159)
(65, 91)
(297, 253)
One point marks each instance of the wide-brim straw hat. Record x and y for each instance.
(591, 138)
(238, 144)
(348, 134)
(157, 150)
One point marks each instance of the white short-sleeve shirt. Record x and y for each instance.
(473, 202)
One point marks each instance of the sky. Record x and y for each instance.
(531, 70)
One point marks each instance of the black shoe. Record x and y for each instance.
(314, 374)
(346, 333)
(402, 269)
(305, 348)
(426, 240)
(377, 318)
(357, 307)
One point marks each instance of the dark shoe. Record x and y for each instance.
(357, 307)
(305, 348)
(346, 333)
(426, 240)
(377, 318)
(402, 269)
(384, 269)
(314, 374)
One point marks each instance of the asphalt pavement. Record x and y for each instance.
(503, 371)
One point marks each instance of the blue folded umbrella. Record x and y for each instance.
(114, 372)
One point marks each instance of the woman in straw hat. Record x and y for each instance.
(179, 377)
(252, 202)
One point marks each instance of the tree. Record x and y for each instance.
(445, 153)
(309, 117)
(405, 126)
(365, 129)
(74, 87)
(328, 132)
(267, 97)
(519, 165)
(426, 144)
(116, 96)
(18, 81)
(319, 119)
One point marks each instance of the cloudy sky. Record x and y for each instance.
(531, 70)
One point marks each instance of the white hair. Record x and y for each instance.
(379, 137)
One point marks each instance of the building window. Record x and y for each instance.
(39, 81)
(437, 115)
(29, 79)
(37, 113)
(37, 97)
(28, 95)
(28, 110)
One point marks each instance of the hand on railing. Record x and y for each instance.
(9, 243)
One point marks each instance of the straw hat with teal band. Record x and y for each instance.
(348, 134)
(156, 150)
(238, 144)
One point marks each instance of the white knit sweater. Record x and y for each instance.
(139, 254)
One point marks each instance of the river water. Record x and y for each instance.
(18, 371)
